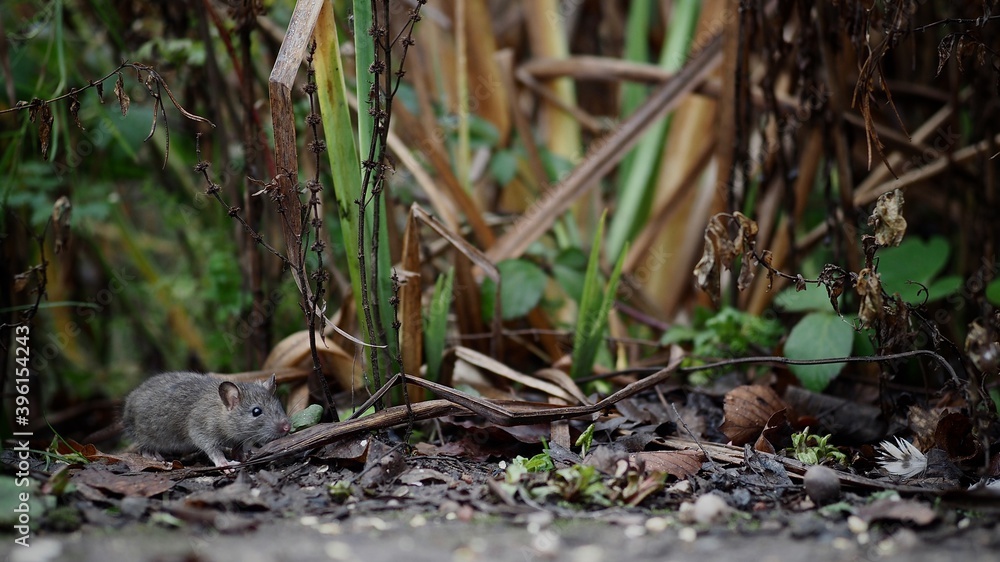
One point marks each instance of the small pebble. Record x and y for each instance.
(822, 485)
(710, 508)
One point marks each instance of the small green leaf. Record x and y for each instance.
(585, 440)
(920, 261)
(819, 335)
(568, 270)
(813, 298)
(503, 166)
(595, 305)
(436, 323)
(307, 418)
(522, 284)
(993, 292)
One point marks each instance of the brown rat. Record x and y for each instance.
(184, 412)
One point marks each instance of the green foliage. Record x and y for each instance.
(920, 262)
(522, 284)
(727, 333)
(569, 270)
(819, 335)
(814, 449)
(436, 323)
(542, 462)
(308, 417)
(993, 292)
(339, 490)
(595, 305)
(585, 440)
(503, 166)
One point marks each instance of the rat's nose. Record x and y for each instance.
(285, 427)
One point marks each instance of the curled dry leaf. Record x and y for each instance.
(41, 113)
(123, 99)
(679, 464)
(954, 436)
(74, 110)
(983, 348)
(747, 410)
(887, 219)
(767, 258)
(870, 288)
(720, 252)
(717, 248)
(776, 433)
(747, 235)
(832, 277)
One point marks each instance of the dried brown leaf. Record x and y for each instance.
(944, 52)
(123, 99)
(41, 113)
(983, 348)
(832, 277)
(954, 436)
(747, 235)
(719, 251)
(74, 110)
(143, 484)
(887, 219)
(747, 411)
(679, 464)
(767, 258)
(870, 288)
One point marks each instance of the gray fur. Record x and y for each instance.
(184, 412)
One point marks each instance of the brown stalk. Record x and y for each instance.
(279, 85)
(604, 155)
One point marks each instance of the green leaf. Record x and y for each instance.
(595, 305)
(993, 292)
(819, 335)
(568, 270)
(307, 418)
(436, 323)
(813, 298)
(915, 260)
(521, 286)
(503, 166)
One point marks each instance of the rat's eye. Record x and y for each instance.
(256, 411)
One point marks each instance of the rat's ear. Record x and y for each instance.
(270, 384)
(230, 394)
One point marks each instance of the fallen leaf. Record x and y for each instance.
(355, 450)
(680, 464)
(142, 484)
(954, 436)
(747, 410)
